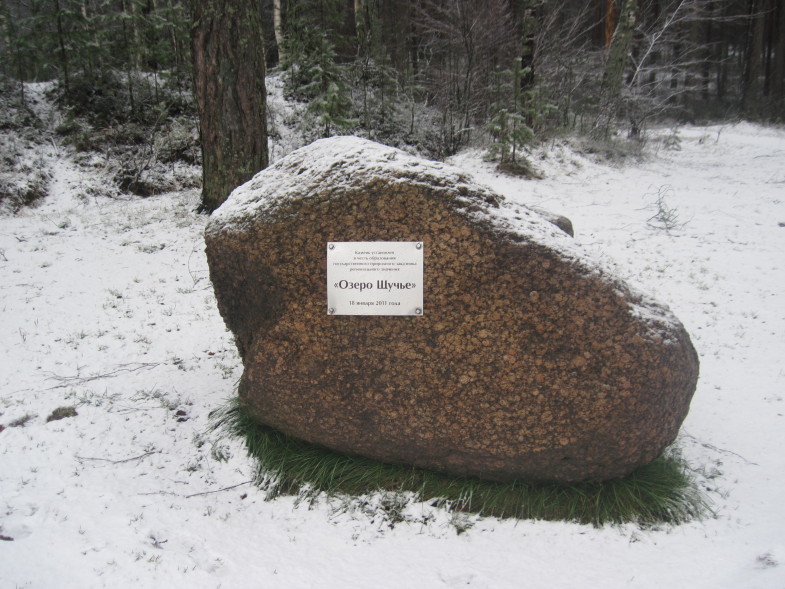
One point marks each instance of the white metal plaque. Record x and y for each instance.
(375, 278)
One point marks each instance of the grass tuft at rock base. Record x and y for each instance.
(663, 492)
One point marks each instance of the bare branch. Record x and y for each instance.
(218, 490)
(117, 461)
(66, 381)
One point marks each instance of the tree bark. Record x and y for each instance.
(529, 26)
(778, 74)
(361, 26)
(618, 54)
(278, 28)
(61, 44)
(753, 61)
(395, 29)
(7, 45)
(619, 50)
(707, 39)
(610, 23)
(229, 69)
(137, 48)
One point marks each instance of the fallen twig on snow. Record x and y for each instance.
(218, 490)
(71, 380)
(116, 461)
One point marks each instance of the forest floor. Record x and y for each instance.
(107, 308)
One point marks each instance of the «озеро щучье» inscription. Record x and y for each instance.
(375, 278)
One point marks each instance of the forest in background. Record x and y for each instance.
(428, 75)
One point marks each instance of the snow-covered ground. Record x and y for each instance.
(107, 307)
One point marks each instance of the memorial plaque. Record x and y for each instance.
(375, 278)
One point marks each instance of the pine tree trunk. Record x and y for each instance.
(706, 50)
(8, 46)
(778, 68)
(176, 52)
(351, 26)
(360, 27)
(359, 17)
(278, 29)
(618, 54)
(753, 62)
(721, 58)
(137, 47)
(610, 22)
(229, 70)
(529, 26)
(12, 62)
(395, 29)
(61, 43)
(619, 50)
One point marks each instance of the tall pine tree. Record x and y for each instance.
(229, 69)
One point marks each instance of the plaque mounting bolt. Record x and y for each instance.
(331, 311)
(331, 246)
(419, 245)
(418, 311)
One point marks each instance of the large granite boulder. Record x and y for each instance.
(529, 362)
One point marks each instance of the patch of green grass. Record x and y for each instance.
(21, 421)
(61, 413)
(658, 493)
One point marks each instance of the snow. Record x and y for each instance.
(106, 306)
(291, 176)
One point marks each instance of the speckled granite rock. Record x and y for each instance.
(530, 362)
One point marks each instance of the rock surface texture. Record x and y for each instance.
(529, 362)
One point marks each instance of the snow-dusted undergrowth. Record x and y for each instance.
(107, 307)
